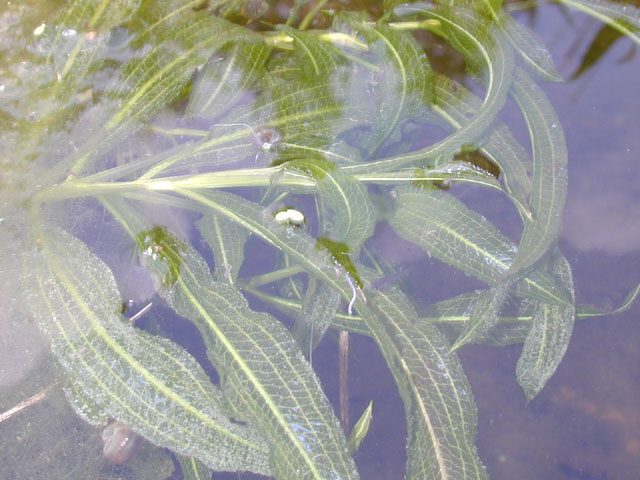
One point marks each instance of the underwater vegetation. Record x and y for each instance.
(224, 165)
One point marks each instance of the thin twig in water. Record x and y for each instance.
(32, 400)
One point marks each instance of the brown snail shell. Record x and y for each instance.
(120, 442)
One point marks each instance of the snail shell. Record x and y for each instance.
(120, 442)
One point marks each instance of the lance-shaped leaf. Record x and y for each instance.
(525, 42)
(439, 407)
(181, 41)
(549, 174)
(227, 240)
(484, 314)
(321, 302)
(360, 429)
(229, 76)
(447, 229)
(496, 63)
(385, 86)
(624, 18)
(149, 383)
(547, 341)
(451, 316)
(345, 210)
(264, 376)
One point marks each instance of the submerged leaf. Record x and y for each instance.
(264, 376)
(360, 429)
(441, 415)
(227, 240)
(445, 228)
(547, 341)
(549, 175)
(484, 314)
(149, 383)
(624, 18)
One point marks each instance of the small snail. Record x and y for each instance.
(120, 442)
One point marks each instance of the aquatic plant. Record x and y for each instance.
(299, 141)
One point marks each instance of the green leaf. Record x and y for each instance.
(345, 208)
(497, 62)
(321, 302)
(192, 469)
(149, 383)
(549, 174)
(360, 429)
(227, 241)
(257, 359)
(547, 341)
(445, 228)
(395, 75)
(451, 316)
(182, 41)
(438, 403)
(484, 314)
(624, 18)
(525, 42)
(441, 415)
(229, 75)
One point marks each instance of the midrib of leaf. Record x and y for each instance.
(188, 7)
(225, 76)
(499, 64)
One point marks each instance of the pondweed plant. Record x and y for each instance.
(299, 140)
